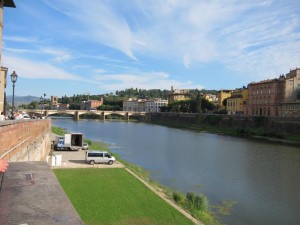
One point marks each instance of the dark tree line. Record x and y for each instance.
(189, 106)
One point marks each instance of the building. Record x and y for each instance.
(154, 105)
(143, 105)
(223, 94)
(275, 97)
(130, 105)
(62, 106)
(210, 97)
(179, 95)
(91, 104)
(291, 103)
(237, 101)
(3, 81)
(3, 73)
(54, 102)
(265, 97)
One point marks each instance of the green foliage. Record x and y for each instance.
(96, 145)
(88, 141)
(260, 121)
(197, 205)
(189, 106)
(113, 196)
(58, 131)
(90, 116)
(178, 197)
(144, 94)
(213, 119)
(74, 106)
(200, 119)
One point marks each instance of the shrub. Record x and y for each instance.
(201, 203)
(214, 119)
(260, 121)
(200, 119)
(196, 202)
(178, 197)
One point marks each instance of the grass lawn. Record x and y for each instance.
(113, 196)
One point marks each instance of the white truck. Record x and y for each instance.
(71, 141)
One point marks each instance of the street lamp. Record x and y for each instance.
(14, 78)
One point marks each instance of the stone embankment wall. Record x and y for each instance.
(25, 140)
(287, 125)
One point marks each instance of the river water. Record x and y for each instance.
(263, 178)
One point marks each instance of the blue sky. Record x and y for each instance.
(66, 47)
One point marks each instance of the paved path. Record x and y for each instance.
(31, 194)
(76, 159)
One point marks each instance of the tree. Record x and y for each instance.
(224, 103)
(198, 103)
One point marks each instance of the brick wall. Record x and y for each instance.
(25, 140)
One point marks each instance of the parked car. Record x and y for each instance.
(85, 146)
(93, 156)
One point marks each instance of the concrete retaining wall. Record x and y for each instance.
(25, 140)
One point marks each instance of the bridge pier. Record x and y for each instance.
(103, 116)
(76, 116)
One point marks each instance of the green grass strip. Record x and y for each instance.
(113, 196)
(58, 130)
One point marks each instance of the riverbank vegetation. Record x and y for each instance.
(211, 126)
(58, 130)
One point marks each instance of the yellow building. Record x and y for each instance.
(3, 75)
(235, 103)
(179, 95)
(223, 94)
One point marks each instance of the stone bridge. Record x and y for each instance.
(77, 113)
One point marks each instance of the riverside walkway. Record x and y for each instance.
(31, 194)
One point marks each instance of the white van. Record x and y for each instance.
(93, 156)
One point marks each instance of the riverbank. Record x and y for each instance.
(161, 192)
(254, 134)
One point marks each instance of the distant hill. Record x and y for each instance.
(22, 99)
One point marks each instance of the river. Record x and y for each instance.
(263, 178)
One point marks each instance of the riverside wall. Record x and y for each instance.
(25, 140)
(276, 125)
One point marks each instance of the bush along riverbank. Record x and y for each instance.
(194, 204)
(259, 127)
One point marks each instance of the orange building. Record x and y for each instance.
(265, 97)
(91, 104)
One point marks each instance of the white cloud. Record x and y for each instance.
(149, 80)
(18, 50)
(59, 55)
(20, 39)
(190, 31)
(36, 70)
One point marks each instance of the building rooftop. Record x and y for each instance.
(31, 194)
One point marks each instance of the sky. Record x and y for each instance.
(67, 47)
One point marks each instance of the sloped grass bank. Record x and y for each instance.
(113, 197)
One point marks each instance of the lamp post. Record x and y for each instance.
(41, 99)
(14, 78)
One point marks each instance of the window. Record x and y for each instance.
(107, 155)
(95, 154)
